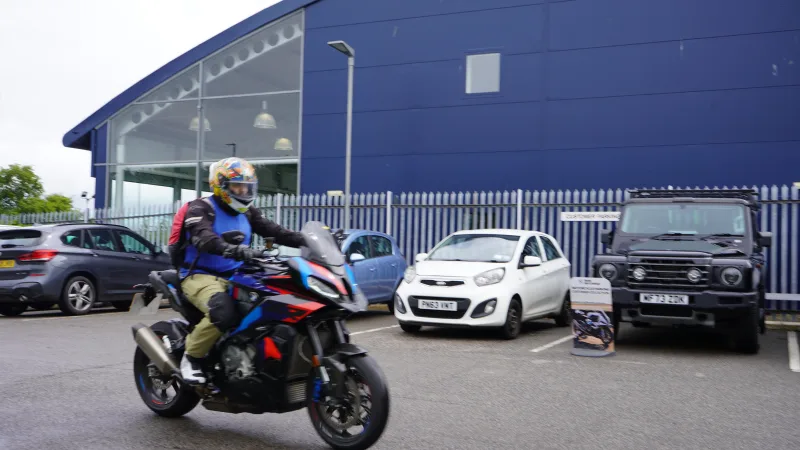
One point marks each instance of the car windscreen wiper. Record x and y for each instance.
(719, 235)
(674, 234)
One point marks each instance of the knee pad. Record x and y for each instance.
(222, 311)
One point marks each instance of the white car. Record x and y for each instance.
(486, 278)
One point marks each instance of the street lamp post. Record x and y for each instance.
(343, 47)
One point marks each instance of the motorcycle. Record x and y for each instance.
(291, 350)
(584, 325)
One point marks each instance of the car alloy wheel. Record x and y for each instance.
(78, 297)
(81, 295)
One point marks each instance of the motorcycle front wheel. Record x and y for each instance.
(356, 421)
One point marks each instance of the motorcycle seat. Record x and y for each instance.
(177, 299)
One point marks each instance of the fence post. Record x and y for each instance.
(519, 209)
(389, 213)
(278, 208)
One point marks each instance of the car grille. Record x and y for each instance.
(666, 273)
(461, 308)
(442, 283)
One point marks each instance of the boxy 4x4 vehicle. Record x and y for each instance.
(689, 258)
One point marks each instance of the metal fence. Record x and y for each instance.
(419, 220)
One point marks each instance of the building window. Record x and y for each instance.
(483, 73)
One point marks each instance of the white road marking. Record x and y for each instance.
(552, 344)
(794, 352)
(71, 317)
(373, 330)
(97, 314)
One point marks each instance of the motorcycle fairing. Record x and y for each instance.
(284, 308)
(308, 269)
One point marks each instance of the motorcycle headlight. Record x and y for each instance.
(493, 276)
(409, 274)
(321, 288)
(731, 276)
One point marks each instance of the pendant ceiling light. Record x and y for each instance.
(264, 119)
(284, 145)
(194, 125)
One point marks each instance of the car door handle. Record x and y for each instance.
(372, 269)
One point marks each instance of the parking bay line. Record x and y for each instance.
(552, 344)
(794, 352)
(373, 330)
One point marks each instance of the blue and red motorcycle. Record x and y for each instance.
(290, 351)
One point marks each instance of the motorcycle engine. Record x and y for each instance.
(238, 362)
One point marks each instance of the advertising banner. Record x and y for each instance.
(592, 313)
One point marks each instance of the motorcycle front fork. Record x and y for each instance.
(330, 371)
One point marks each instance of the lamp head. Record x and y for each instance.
(343, 47)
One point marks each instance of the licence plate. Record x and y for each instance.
(6, 263)
(438, 305)
(665, 299)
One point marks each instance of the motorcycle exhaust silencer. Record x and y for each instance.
(153, 347)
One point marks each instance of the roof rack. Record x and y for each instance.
(748, 195)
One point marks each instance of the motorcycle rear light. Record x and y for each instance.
(38, 256)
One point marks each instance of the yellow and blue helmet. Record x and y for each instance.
(234, 181)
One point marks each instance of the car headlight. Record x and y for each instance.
(321, 288)
(409, 274)
(493, 276)
(608, 271)
(731, 276)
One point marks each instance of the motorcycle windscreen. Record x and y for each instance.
(321, 247)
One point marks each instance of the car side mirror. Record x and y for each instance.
(765, 239)
(605, 237)
(233, 237)
(531, 261)
(354, 257)
(420, 257)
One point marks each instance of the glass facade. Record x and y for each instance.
(243, 100)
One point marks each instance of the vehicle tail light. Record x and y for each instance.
(39, 256)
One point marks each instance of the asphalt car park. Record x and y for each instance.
(67, 383)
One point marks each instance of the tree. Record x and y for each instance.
(21, 192)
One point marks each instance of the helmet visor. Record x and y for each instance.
(242, 190)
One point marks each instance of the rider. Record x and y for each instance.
(234, 183)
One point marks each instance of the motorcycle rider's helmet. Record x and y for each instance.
(234, 182)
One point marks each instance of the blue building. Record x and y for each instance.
(470, 95)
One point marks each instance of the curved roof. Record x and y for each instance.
(79, 136)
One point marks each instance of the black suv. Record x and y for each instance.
(76, 266)
(689, 257)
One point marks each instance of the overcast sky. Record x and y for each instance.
(64, 59)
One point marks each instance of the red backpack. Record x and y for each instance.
(176, 245)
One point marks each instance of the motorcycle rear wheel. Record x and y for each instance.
(152, 389)
(362, 370)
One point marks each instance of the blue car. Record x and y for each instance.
(377, 262)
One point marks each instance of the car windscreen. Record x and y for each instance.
(691, 219)
(476, 248)
(20, 238)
